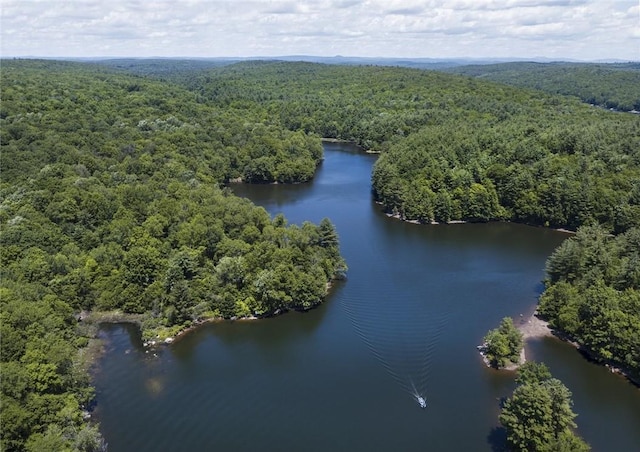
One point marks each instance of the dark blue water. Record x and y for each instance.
(416, 302)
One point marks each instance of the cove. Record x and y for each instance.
(416, 302)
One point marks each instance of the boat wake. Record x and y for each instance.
(403, 317)
(419, 397)
(403, 334)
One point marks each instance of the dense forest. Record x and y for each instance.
(164, 68)
(454, 148)
(539, 417)
(593, 295)
(113, 197)
(611, 85)
(550, 166)
(95, 116)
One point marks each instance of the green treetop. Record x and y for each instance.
(538, 416)
(503, 344)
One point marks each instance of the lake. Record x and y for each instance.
(416, 302)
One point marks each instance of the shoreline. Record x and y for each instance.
(612, 367)
(162, 336)
(350, 143)
(397, 216)
(168, 335)
(534, 328)
(338, 140)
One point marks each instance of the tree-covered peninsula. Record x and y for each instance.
(113, 199)
(593, 295)
(502, 346)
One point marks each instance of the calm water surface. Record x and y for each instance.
(417, 301)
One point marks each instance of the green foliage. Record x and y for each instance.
(503, 344)
(532, 372)
(43, 386)
(538, 416)
(454, 148)
(163, 69)
(607, 85)
(111, 200)
(92, 118)
(525, 167)
(592, 294)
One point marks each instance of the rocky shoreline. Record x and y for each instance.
(533, 328)
(536, 328)
(166, 335)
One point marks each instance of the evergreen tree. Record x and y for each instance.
(503, 344)
(538, 416)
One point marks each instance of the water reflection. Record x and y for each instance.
(266, 335)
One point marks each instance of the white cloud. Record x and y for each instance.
(585, 29)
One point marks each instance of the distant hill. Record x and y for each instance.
(163, 66)
(609, 85)
(160, 67)
(612, 85)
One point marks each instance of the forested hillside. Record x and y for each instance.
(99, 116)
(111, 200)
(164, 68)
(593, 294)
(454, 148)
(614, 86)
(546, 164)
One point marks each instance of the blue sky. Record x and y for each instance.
(560, 29)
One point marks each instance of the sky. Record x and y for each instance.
(558, 29)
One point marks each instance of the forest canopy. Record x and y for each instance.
(114, 196)
(539, 417)
(61, 112)
(453, 148)
(593, 294)
(613, 85)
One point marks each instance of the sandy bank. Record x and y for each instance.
(534, 328)
(531, 328)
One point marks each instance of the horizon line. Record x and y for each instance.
(345, 57)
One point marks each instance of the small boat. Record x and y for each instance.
(421, 401)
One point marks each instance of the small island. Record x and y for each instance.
(539, 416)
(503, 347)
